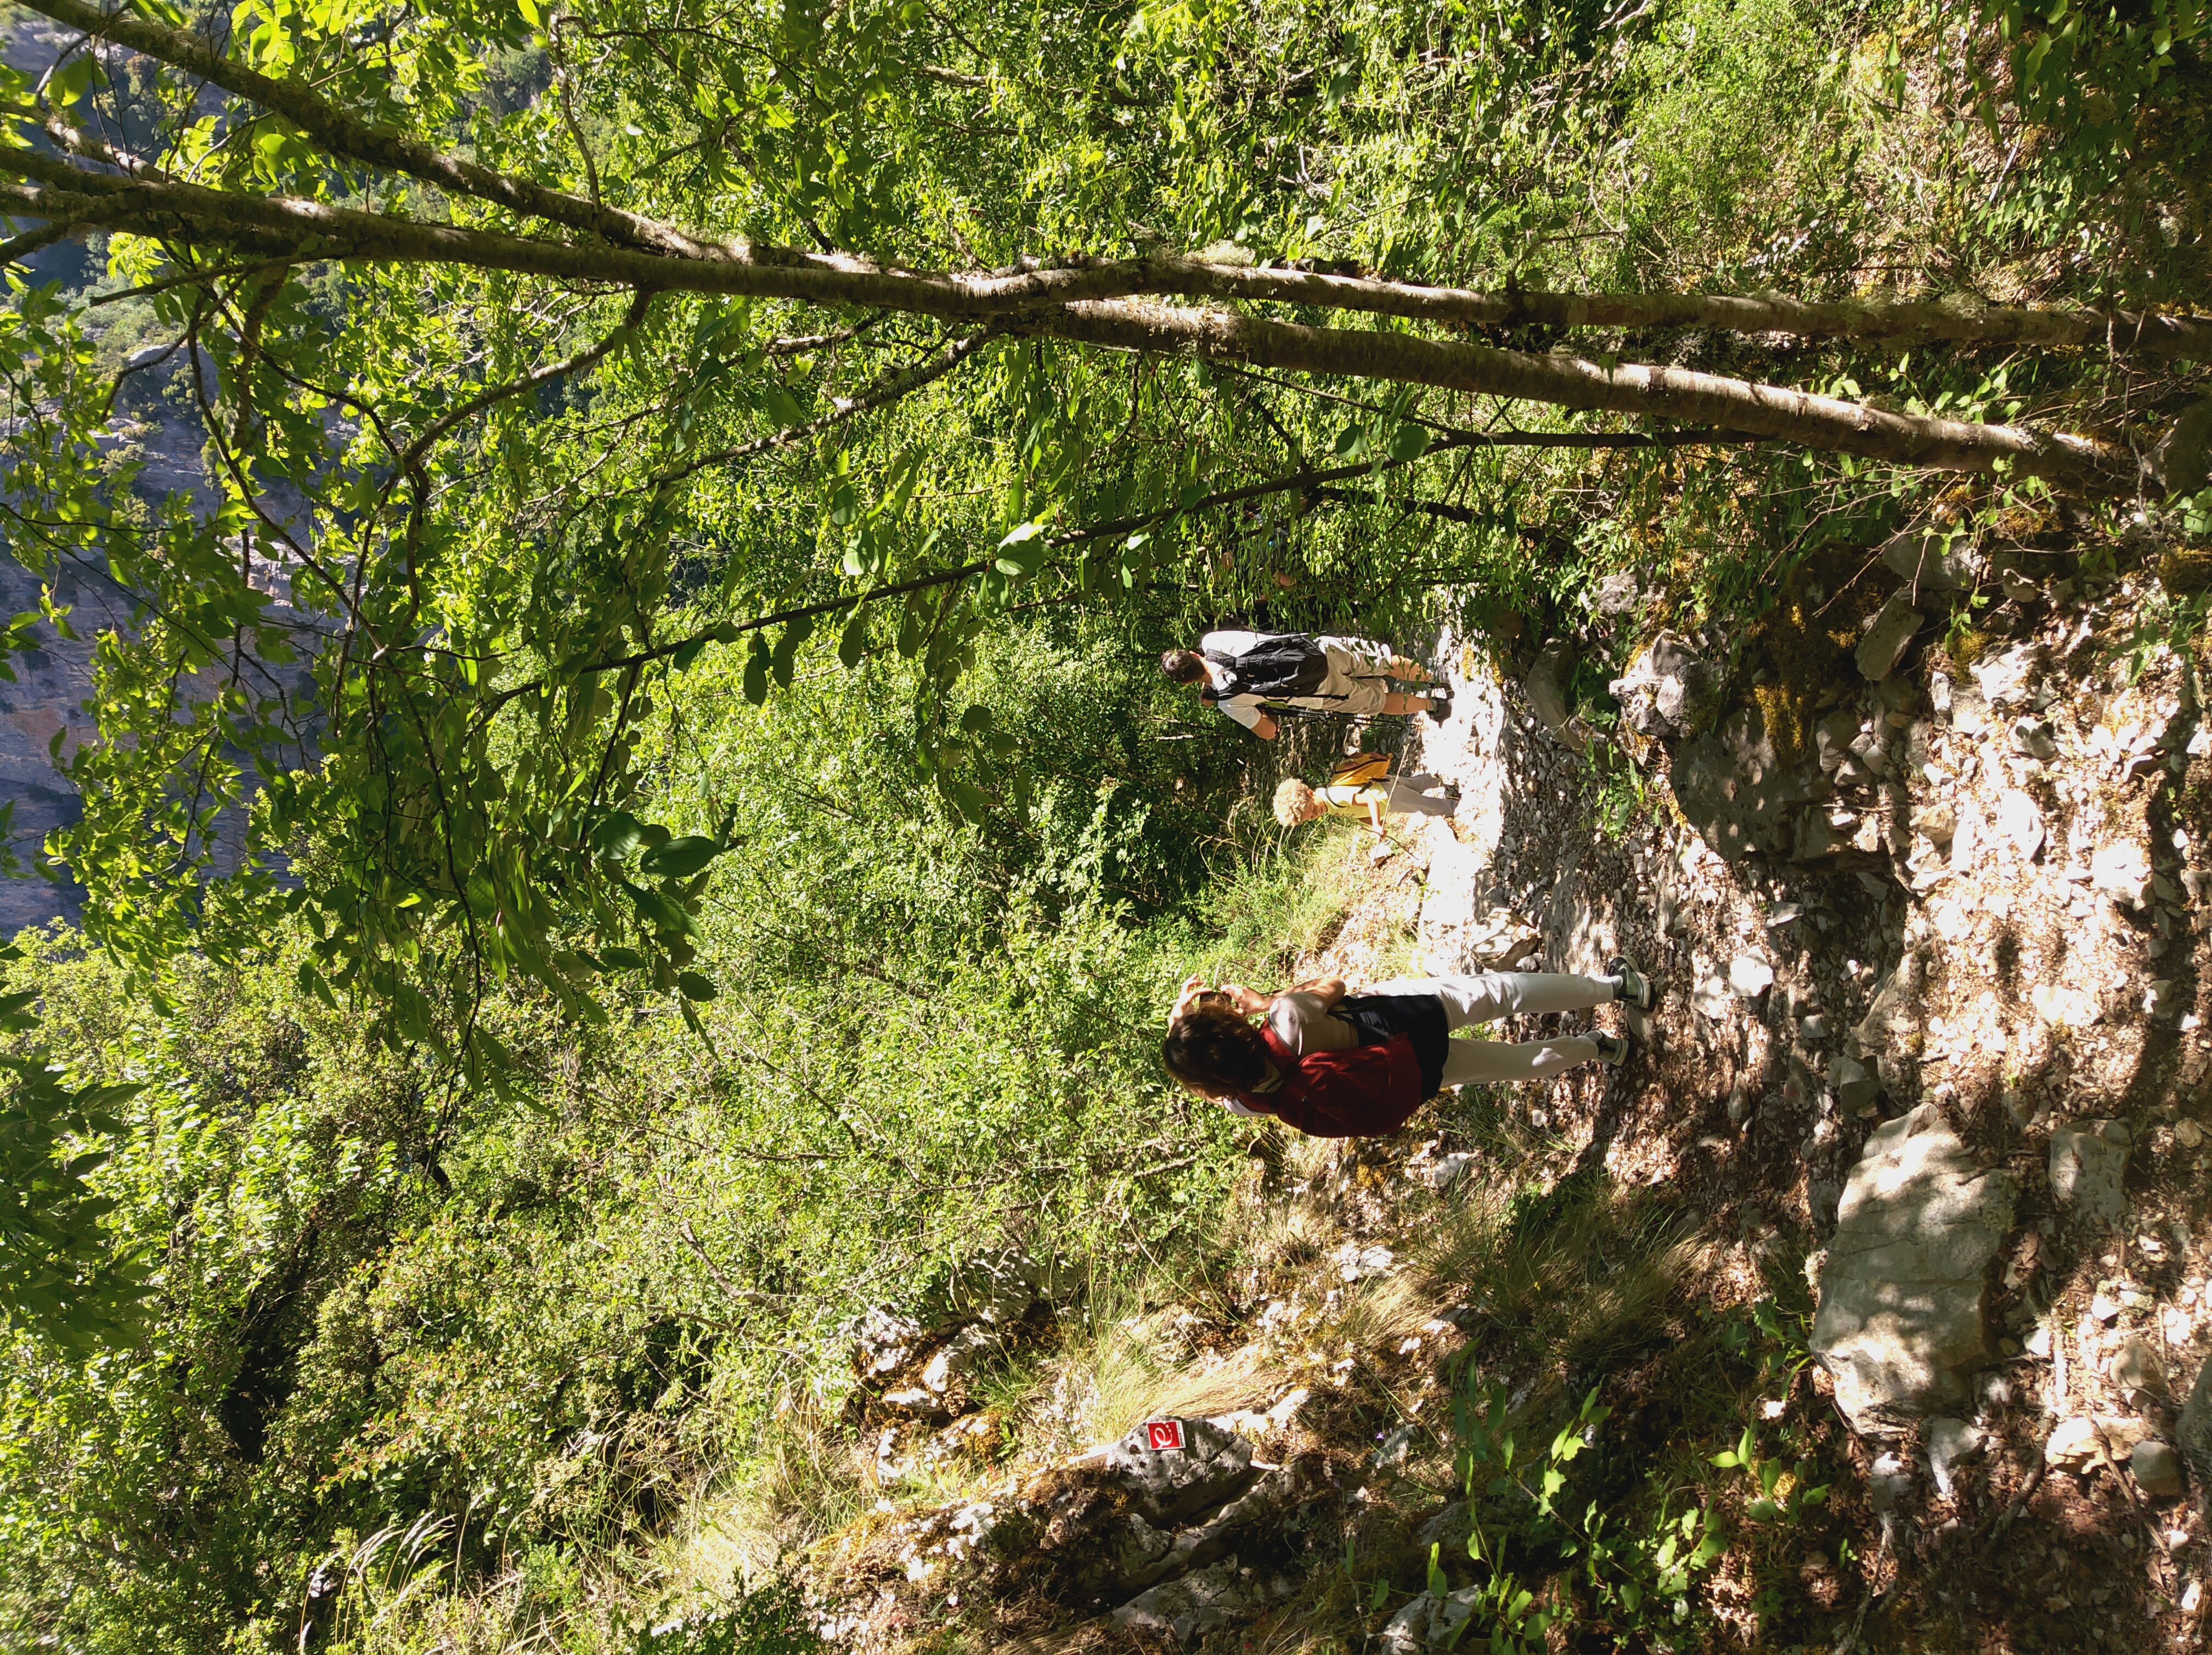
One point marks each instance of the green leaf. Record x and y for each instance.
(1409, 442)
(621, 959)
(617, 834)
(1023, 551)
(694, 986)
(666, 917)
(679, 859)
(756, 666)
(852, 641)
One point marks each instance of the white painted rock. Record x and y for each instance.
(2086, 1164)
(1901, 1324)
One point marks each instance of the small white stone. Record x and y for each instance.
(1750, 976)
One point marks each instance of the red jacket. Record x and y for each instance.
(1369, 1092)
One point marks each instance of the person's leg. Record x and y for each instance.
(1485, 1062)
(1407, 797)
(1359, 697)
(1485, 997)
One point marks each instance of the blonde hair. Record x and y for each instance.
(1293, 799)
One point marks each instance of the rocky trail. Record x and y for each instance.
(1922, 1115)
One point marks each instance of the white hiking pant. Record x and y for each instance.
(1488, 995)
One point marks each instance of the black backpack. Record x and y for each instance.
(1281, 664)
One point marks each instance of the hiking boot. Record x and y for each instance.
(1636, 990)
(1613, 1050)
(1439, 708)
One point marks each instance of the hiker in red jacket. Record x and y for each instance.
(1335, 1065)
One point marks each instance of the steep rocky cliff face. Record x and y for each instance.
(45, 701)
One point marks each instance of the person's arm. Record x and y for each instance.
(1247, 711)
(1327, 989)
(1251, 1004)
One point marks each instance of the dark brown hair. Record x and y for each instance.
(1212, 1049)
(1182, 667)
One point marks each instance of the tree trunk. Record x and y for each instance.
(1771, 411)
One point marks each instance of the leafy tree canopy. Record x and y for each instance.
(537, 352)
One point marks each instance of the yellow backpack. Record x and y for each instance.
(1359, 770)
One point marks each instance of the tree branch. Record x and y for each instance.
(1026, 303)
(528, 382)
(901, 382)
(1756, 410)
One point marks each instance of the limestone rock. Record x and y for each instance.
(2020, 819)
(1854, 1084)
(1204, 1601)
(1888, 637)
(1619, 594)
(1449, 1529)
(2010, 679)
(1922, 561)
(1892, 1023)
(2087, 1439)
(2194, 1436)
(1734, 790)
(1901, 1322)
(2156, 1468)
(2087, 1165)
(1167, 1485)
(1667, 691)
(884, 1341)
(1949, 1441)
(1749, 977)
(1406, 1632)
(1546, 687)
(2121, 871)
(2135, 1371)
(1710, 997)
(1429, 1623)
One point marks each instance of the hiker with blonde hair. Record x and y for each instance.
(1364, 786)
